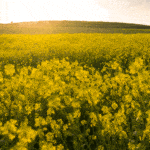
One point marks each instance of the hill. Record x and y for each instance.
(55, 27)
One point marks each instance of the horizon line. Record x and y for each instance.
(74, 21)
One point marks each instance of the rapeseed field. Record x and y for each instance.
(75, 92)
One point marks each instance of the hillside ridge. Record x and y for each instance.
(65, 26)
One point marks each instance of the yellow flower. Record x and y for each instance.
(114, 105)
(37, 122)
(75, 104)
(123, 134)
(44, 63)
(40, 121)
(115, 65)
(128, 98)
(93, 119)
(77, 114)
(50, 111)
(28, 109)
(37, 106)
(44, 129)
(100, 147)
(1, 77)
(105, 109)
(65, 127)
(60, 147)
(11, 136)
(83, 122)
(94, 137)
(43, 122)
(50, 136)
(9, 69)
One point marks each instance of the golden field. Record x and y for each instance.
(75, 91)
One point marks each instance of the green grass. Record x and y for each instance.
(56, 27)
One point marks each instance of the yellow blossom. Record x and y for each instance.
(9, 69)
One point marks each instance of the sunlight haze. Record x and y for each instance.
(128, 11)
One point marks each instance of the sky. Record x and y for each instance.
(127, 11)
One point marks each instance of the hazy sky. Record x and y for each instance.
(129, 11)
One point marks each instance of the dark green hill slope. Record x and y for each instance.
(55, 27)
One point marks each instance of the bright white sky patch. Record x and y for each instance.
(26, 10)
(129, 11)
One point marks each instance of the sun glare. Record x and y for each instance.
(84, 10)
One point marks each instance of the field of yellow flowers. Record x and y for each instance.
(75, 92)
